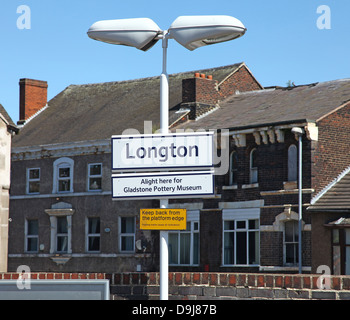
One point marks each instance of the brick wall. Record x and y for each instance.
(202, 93)
(331, 154)
(212, 286)
(242, 80)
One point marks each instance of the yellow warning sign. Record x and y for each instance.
(163, 219)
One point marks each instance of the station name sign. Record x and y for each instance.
(162, 185)
(162, 151)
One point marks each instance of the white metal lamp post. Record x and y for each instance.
(299, 132)
(191, 32)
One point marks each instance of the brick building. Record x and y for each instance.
(62, 214)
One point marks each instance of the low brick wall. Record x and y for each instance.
(221, 286)
(212, 286)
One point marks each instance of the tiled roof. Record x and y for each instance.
(98, 111)
(334, 197)
(277, 105)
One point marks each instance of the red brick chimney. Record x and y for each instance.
(200, 94)
(201, 89)
(32, 97)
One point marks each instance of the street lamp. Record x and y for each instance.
(191, 32)
(299, 133)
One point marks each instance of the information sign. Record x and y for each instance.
(163, 219)
(162, 185)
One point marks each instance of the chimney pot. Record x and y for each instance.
(202, 75)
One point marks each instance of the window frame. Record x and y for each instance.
(61, 235)
(292, 163)
(29, 180)
(294, 243)
(55, 234)
(92, 235)
(127, 234)
(62, 163)
(31, 236)
(233, 170)
(90, 176)
(343, 243)
(192, 219)
(253, 171)
(235, 216)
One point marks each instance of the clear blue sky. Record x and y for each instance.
(283, 42)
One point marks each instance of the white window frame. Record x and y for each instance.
(94, 176)
(58, 164)
(294, 243)
(192, 219)
(130, 234)
(55, 234)
(29, 180)
(237, 215)
(30, 236)
(91, 235)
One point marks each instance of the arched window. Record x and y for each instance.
(292, 163)
(253, 167)
(63, 175)
(233, 168)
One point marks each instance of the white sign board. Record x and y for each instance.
(162, 151)
(54, 289)
(163, 185)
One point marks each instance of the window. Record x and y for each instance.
(62, 235)
(61, 227)
(33, 181)
(63, 175)
(184, 245)
(233, 168)
(291, 242)
(127, 234)
(241, 242)
(292, 163)
(253, 167)
(95, 177)
(93, 234)
(32, 236)
(341, 251)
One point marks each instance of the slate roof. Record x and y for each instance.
(98, 111)
(277, 105)
(334, 197)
